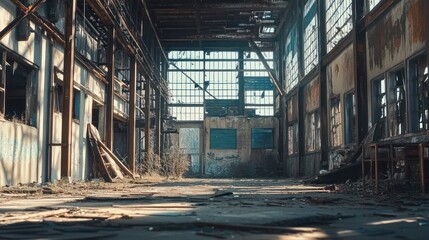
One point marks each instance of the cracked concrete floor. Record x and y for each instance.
(207, 209)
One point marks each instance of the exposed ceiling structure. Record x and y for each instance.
(211, 23)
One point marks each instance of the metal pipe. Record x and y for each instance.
(50, 117)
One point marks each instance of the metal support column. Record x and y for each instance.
(158, 123)
(132, 117)
(147, 116)
(69, 53)
(426, 11)
(111, 87)
(324, 125)
(360, 96)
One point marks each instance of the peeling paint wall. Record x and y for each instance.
(242, 161)
(310, 162)
(340, 80)
(398, 35)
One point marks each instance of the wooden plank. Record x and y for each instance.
(38, 215)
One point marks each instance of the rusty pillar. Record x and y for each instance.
(69, 52)
(360, 71)
(132, 117)
(324, 124)
(147, 115)
(158, 123)
(300, 92)
(111, 87)
(282, 146)
(426, 11)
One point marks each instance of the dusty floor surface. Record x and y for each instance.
(208, 209)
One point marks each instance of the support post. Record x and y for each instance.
(426, 11)
(147, 116)
(158, 123)
(324, 125)
(360, 71)
(132, 117)
(111, 87)
(69, 53)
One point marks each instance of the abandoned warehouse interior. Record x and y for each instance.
(235, 95)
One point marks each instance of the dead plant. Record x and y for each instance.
(174, 163)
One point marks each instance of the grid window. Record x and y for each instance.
(380, 105)
(291, 65)
(313, 131)
(310, 36)
(397, 103)
(292, 138)
(338, 21)
(193, 113)
(336, 122)
(259, 97)
(349, 118)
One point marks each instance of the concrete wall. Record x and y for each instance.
(242, 161)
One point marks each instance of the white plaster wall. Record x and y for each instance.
(19, 153)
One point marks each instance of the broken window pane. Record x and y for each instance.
(419, 86)
(338, 21)
(397, 112)
(310, 36)
(336, 125)
(313, 131)
(349, 118)
(291, 65)
(293, 138)
(19, 92)
(380, 105)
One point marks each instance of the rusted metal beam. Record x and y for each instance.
(110, 87)
(270, 71)
(147, 116)
(19, 19)
(158, 123)
(426, 11)
(220, 7)
(360, 74)
(324, 129)
(132, 117)
(69, 52)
